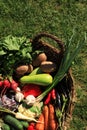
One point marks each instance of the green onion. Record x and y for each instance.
(5, 110)
(66, 62)
(18, 115)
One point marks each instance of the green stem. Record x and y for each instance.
(55, 82)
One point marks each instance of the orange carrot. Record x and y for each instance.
(46, 114)
(40, 126)
(52, 120)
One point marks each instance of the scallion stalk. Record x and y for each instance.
(66, 62)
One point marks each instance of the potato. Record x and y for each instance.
(40, 58)
(30, 68)
(48, 66)
(21, 70)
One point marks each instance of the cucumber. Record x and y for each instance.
(36, 71)
(5, 126)
(39, 79)
(24, 123)
(13, 122)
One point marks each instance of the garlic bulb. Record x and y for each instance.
(30, 100)
(19, 96)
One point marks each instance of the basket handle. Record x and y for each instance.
(44, 34)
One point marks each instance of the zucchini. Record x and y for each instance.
(13, 122)
(5, 126)
(39, 79)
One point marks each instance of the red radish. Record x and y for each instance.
(14, 85)
(6, 85)
(31, 89)
(1, 83)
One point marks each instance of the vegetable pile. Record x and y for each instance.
(34, 93)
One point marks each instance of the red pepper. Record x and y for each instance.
(53, 94)
(31, 126)
(48, 98)
(31, 89)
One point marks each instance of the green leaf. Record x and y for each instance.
(37, 108)
(13, 43)
(2, 52)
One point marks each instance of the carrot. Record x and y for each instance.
(40, 126)
(52, 120)
(46, 114)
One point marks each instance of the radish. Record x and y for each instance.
(14, 85)
(6, 85)
(1, 83)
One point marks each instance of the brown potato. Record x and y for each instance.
(21, 70)
(30, 68)
(40, 58)
(48, 66)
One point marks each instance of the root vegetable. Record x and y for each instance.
(40, 126)
(46, 115)
(1, 83)
(21, 70)
(19, 96)
(48, 66)
(40, 58)
(14, 85)
(52, 120)
(30, 68)
(6, 85)
(30, 100)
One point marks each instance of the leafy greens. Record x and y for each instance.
(14, 51)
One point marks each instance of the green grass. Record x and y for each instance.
(59, 17)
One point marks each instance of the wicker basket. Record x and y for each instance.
(56, 54)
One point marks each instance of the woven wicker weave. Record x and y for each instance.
(56, 55)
